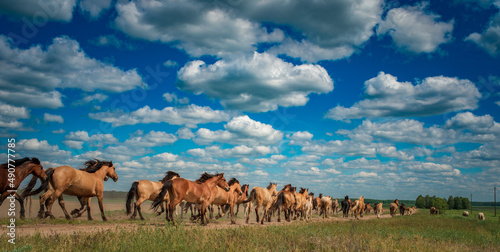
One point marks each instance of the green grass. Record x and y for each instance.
(420, 232)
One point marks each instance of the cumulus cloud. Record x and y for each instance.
(188, 116)
(416, 30)
(215, 151)
(151, 139)
(9, 116)
(40, 149)
(387, 97)
(489, 39)
(53, 118)
(241, 130)
(256, 83)
(172, 97)
(94, 7)
(59, 10)
(30, 76)
(91, 98)
(76, 139)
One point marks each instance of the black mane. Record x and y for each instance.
(233, 181)
(92, 166)
(169, 175)
(205, 176)
(21, 161)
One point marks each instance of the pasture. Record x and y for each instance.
(419, 232)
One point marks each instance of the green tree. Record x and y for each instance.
(428, 201)
(458, 202)
(420, 202)
(465, 203)
(441, 204)
(451, 202)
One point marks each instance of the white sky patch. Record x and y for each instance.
(256, 83)
(386, 97)
(415, 29)
(53, 118)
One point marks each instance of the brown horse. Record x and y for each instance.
(358, 207)
(317, 203)
(434, 211)
(410, 210)
(335, 206)
(85, 183)
(198, 192)
(300, 202)
(368, 208)
(223, 197)
(402, 209)
(378, 209)
(244, 196)
(19, 169)
(261, 197)
(147, 190)
(325, 205)
(285, 202)
(394, 207)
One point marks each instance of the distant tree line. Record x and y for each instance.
(441, 203)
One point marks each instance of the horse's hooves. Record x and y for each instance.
(142, 219)
(104, 219)
(52, 217)
(68, 218)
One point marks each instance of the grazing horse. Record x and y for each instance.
(222, 197)
(402, 209)
(198, 192)
(300, 202)
(394, 207)
(358, 207)
(465, 214)
(81, 183)
(378, 209)
(326, 203)
(261, 197)
(317, 202)
(481, 216)
(434, 211)
(12, 174)
(144, 190)
(368, 208)
(309, 206)
(285, 202)
(244, 196)
(346, 205)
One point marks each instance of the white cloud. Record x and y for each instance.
(414, 29)
(346, 147)
(40, 149)
(365, 175)
(94, 7)
(473, 123)
(215, 151)
(76, 139)
(30, 76)
(59, 131)
(151, 139)
(256, 83)
(60, 10)
(170, 63)
(172, 97)
(9, 116)
(241, 130)
(386, 97)
(53, 118)
(185, 133)
(301, 136)
(189, 116)
(91, 98)
(112, 40)
(489, 38)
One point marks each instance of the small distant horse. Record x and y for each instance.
(261, 197)
(144, 190)
(222, 197)
(285, 202)
(434, 211)
(309, 206)
(402, 209)
(358, 207)
(481, 216)
(317, 203)
(410, 210)
(465, 214)
(378, 209)
(335, 206)
(346, 206)
(198, 192)
(70, 181)
(394, 207)
(368, 208)
(12, 174)
(326, 203)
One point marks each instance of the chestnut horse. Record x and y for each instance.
(368, 208)
(358, 207)
(394, 207)
(20, 169)
(317, 202)
(261, 197)
(378, 209)
(147, 190)
(222, 197)
(85, 183)
(402, 209)
(285, 202)
(198, 192)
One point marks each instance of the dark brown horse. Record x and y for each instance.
(198, 192)
(346, 206)
(19, 169)
(285, 202)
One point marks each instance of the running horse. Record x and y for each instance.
(198, 192)
(261, 197)
(147, 190)
(241, 198)
(285, 201)
(84, 184)
(20, 169)
(222, 197)
(393, 207)
(346, 205)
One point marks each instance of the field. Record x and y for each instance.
(420, 232)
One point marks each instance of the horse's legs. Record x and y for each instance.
(248, 212)
(173, 203)
(101, 206)
(137, 208)
(257, 206)
(43, 203)
(279, 213)
(60, 199)
(89, 215)
(50, 202)
(231, 211)
(237, 210)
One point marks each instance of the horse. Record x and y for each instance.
(244, 196)
(410, 210)
(300, 202)
(261, 197)
(346, 205)
(85, 183)
(335, 206)
(198, 192)
(434, 211)
(465, 214)
(144, 190)
(393, 207)
(285, 202)
(358, 207)
(12, 174)
(309, 206)
(378, 209)
(402, 209)
(481, 216)
(317, 202)
(368, 208)
(222, 197)
(326, 203)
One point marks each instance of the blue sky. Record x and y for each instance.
(386, 99)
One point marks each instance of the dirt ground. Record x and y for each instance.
(47, 228)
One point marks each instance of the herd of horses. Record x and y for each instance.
(202, 195)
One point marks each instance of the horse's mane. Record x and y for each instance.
(169, 175)
(205, 176)
(311, 194)
(270, 185)
(21, 161)
(320, 195)
(92, 166)
(396, 201)
(346, 197)
(233, 181)
(289, 185)
(302, 190)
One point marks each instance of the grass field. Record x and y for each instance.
(420, 232)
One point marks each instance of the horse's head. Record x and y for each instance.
(37, 168)
(272, 189)
(234, 183)
(111, 172)
(222, 183)
(245, 189)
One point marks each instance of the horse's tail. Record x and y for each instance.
(159, 199)
(251, 197)
(279, 201)
(43, 187)
(29, 187)
(130, 195)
